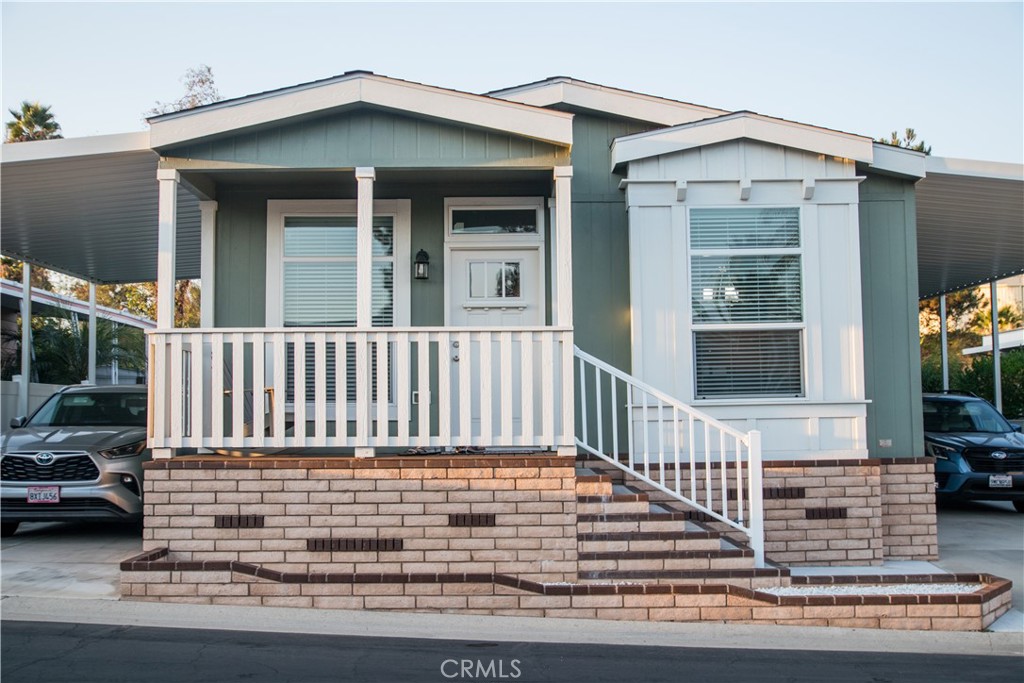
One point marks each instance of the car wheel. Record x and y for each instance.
(1018, 505)
(8, 529)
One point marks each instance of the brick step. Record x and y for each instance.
(620, 501)
(748, 578)
(591, 483)
(690, 560)
(647, 541)
(655, 520)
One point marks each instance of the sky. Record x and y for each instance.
(952, 71)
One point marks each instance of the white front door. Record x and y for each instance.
(491, 288)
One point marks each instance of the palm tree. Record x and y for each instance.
(33, 122)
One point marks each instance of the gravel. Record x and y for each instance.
(876, 589)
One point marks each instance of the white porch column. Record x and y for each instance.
(997, 375)
(93, 322)
(166, 246)
(945, 344)
(207, 257)
(563, 255)
(26, 338)
(364, 303)
(563, 308)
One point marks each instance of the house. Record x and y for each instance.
(466, 291)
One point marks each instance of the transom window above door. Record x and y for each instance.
(511, 219)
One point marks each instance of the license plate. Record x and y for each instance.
(1000, 481)
(44, 494)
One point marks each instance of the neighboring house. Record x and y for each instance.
(390, 266)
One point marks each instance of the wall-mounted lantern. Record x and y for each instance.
(421, 266)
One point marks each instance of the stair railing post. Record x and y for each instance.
(756, 499)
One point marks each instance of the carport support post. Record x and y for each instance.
(997, 375)
(167, 221)
(26, 337)
(945, 346)
(93, 322)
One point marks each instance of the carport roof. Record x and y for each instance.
(88, 207)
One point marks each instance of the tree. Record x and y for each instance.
(33, 121)
(199, 90)
(1009, 319)
(908, 141)
(11, 269)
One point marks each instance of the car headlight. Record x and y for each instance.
(938, 451)
(126, 451)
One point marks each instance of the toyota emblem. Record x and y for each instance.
(999, 455)
(44, 458)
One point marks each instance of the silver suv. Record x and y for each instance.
(79, 457)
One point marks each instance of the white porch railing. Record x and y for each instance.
(302, 388)
(673, 447)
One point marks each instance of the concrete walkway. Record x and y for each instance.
(70, 573)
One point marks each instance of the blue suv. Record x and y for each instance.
(978, 454)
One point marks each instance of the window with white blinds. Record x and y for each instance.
(319, 287)
(746, 295)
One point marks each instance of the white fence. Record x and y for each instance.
(672, 446)
(320, 387)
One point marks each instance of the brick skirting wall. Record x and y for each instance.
(506, 515)
(909, 522)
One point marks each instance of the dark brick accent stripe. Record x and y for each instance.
(472, 519)
(825, 513)
(354, 545)
(593, 478)
(643, 517)
(994, 585)
(773, 493)
(664, 554)
(238, 521)
(648, 536)
(614, 498)
(209, 462)
(681, 574)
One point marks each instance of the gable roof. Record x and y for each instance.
(626, 103)
(360, 87)
(741, 124)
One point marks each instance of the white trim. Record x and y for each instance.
(207, 261)
(277, 209)
(520, 242)
(974, 168)
(898, 160)
(39, 150)
(167, 233)
(561, 290)
(740, 125)
(476, 110)
(609, 100)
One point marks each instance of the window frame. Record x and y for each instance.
(800, 327)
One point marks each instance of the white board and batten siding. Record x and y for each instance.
(828, 421)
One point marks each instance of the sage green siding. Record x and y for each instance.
(600, 241)
(892, 355)
(365, 137)
(242, 238)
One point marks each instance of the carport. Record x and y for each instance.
(89, 207)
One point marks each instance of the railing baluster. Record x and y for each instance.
(567, 390)
(403, 342)
(363, 395)
(675, 446)
(177, 399)
(725, 474)
(196, 390)
(597, 409)
(661, 443)
(739, 481)
(615, 417)
(299, 409)
(464, 387)
(647, 455)
(486, 370)
(629, 428)
(444, 390)
(279, 397)
(526, 438)
(423, 377)
(505, 346)
(217, 390)
(157, 389)
(319, 389)
(383, 416)
(340, 388)
(693, 458)
(707, 465)
(583, 402)
(259, 394)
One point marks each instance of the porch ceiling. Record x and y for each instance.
(94, 217)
